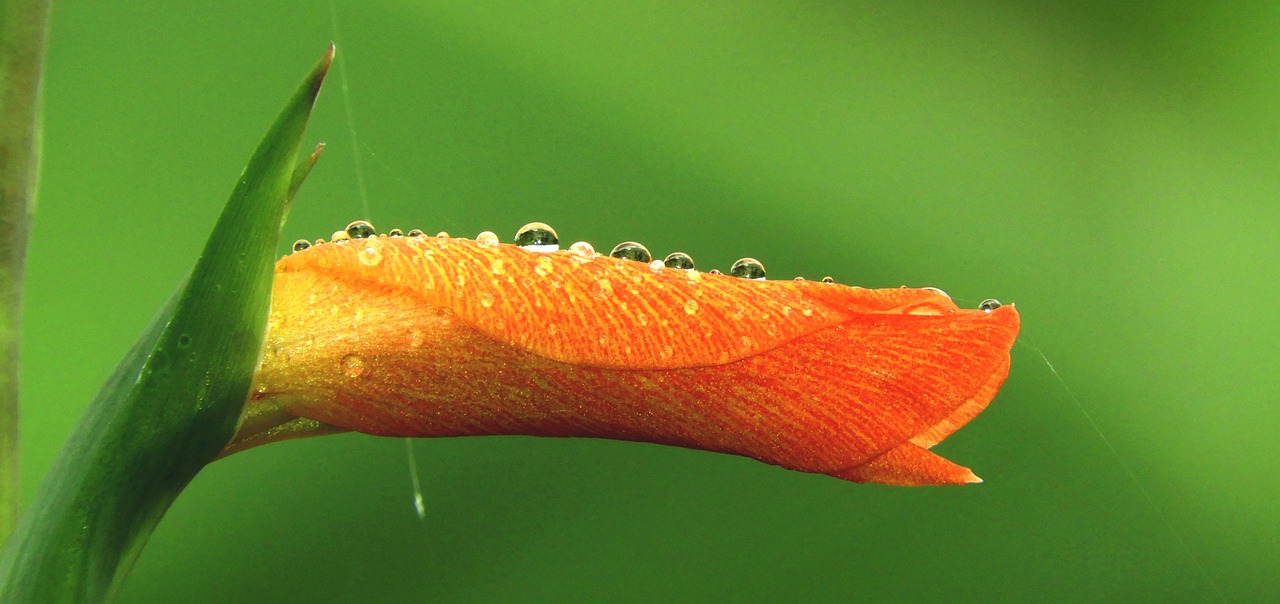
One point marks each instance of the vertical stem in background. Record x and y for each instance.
(23, 24)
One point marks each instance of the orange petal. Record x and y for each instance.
(446, 337)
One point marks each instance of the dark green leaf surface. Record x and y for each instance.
(173, 402)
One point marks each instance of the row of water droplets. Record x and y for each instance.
(540, 237)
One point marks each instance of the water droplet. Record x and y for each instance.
(655, 266)
(359, 229)
(602, 289)
(352, 365)
(537, 237)
(828, 280)
(371, 255)
(551, 329)
(678, 260)
(497, 266)
(667, 352)
(395, 233)
(798, 279)
(938, 291)
(691, 306)
(486, 299)
(184, 341)
(462, 280)
(300, 245)
(416, 233)
(543, 266)
(807, 311)
(319, 241)
(630, 250)
(714, 271)
(989, 304)
(642, 319)
(748, 268)
(340, 237)
(582, 249)
(487, 239)
(442, 235)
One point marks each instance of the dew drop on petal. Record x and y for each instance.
(798, 279)
(691, 306)
(360, 229)
(487, 239)
(630, 250)
(395, 233)
(714, 271)
(655, 266)
(300, 245)
(938, 291)
(352, 365)
(828, 280)
(371, 255)
(748, 268)
(442, 235)
(538, 237)
(602, 289)
(543, 266)
(486, 299)
(416, 233)
(497, 266)
(582, 249)
(340, 237)
(989, 304)
(678, 260)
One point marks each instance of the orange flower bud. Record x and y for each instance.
(434, 336)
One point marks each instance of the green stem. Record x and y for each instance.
(23, 27)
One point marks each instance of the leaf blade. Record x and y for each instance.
(174, 400)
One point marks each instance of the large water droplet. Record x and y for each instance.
(487, 239)
(582, 249)
(937, 291)
(416, 233)
(537, 237)
(691, 306)
(359, 229)
(630, 250)
(678, 260)
(748, 268)
(300, 245)
(352, 365)
(989, 304)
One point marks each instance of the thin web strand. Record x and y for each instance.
(1133, 476)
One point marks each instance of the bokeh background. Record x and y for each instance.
(1109, 167)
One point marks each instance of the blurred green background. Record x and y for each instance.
(1110, 168)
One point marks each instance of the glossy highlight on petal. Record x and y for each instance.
(846, 381)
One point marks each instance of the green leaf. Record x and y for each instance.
(173, 402)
